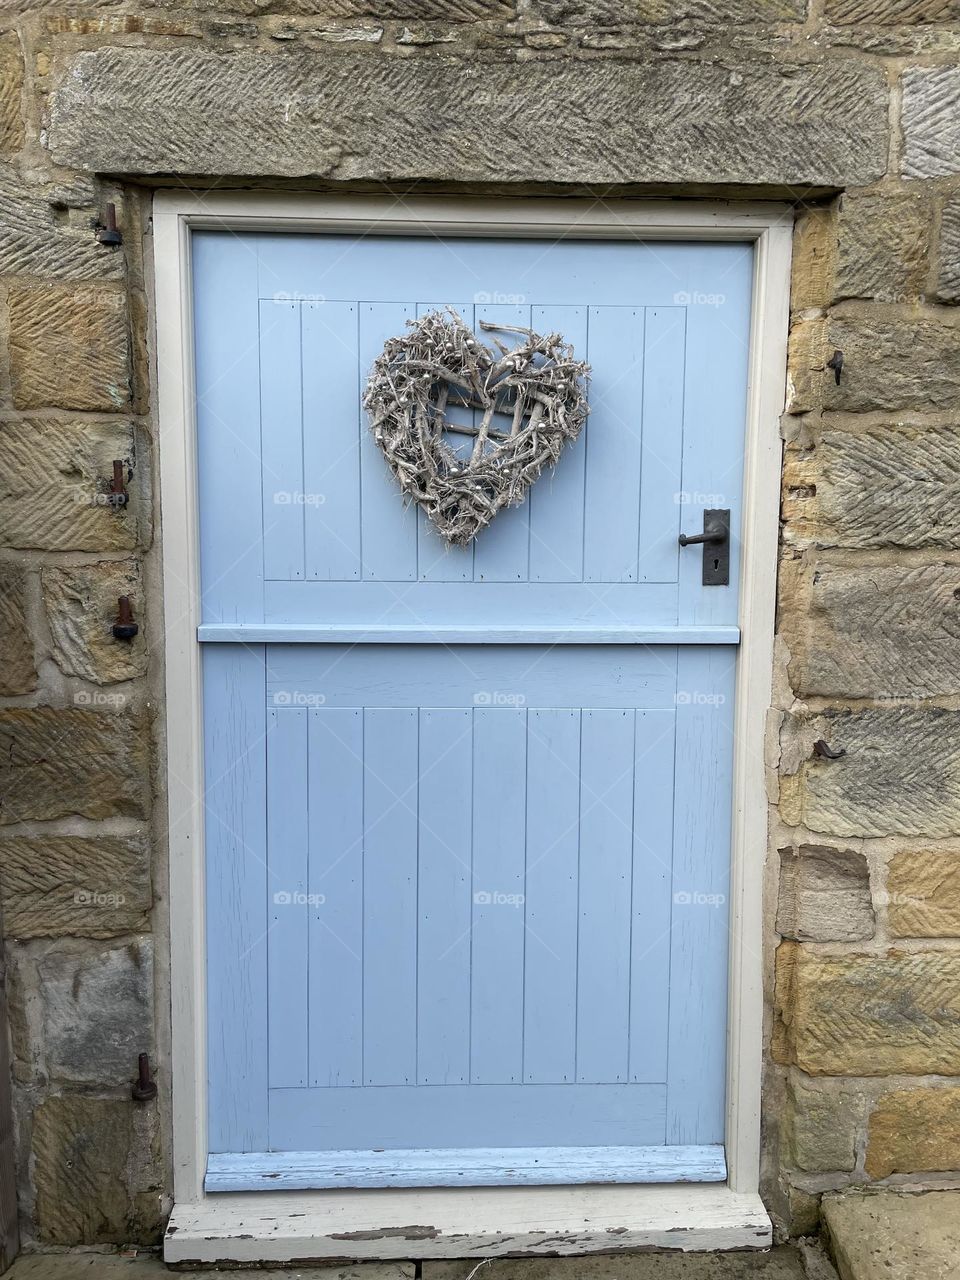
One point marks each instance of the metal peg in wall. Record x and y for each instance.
(124, 628)
(144, 1088)
(117, 495)
(107, 231)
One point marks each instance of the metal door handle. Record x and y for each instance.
(716, 547)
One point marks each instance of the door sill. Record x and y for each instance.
(272, 1226)
(476, 1167)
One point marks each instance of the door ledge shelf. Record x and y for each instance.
(320, 633)
(475, 1167)
(272, 1226)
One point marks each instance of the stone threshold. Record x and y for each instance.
(784, 1263)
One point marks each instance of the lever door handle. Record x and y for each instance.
(716, 547)
(714, 534)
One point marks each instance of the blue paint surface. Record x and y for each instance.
(467, 847)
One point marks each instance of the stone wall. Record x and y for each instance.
(798, 99)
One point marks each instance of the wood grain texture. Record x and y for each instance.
(478, 1167)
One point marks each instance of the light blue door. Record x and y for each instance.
(467, 811)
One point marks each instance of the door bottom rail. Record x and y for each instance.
(473, 1167)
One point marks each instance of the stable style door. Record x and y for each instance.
(468, 810)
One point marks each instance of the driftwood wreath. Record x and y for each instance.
(536, 390)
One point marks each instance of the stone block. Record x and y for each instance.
(93, 887)
(81, 607)
(891, 13)
(868, 1015)
(96, 1172)
(34, 241)
(948, 280)
(923, 894)
(777, 1264)
(883, 247)
(890, 484)
(814, 263)
(55, 762)
(900, 774)
(914, 1131)
(824, 895)
(54, 477)
(460, 11)
(894, 1235)
(821, 1128)
(368, 117)
(69, 348)
(931, 122)
(11, 91)
(81, 1013)
(892, 363)
(619, 13)
(872, 632)
(18, 674)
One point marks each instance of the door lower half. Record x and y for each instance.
(467, 809)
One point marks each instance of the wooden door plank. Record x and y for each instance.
(287, 885)
(606, 858)
(499, 793)
(281, 440)
(552, 884)
(333, 424)
(390, 896)
(336, 881)
(444, 910)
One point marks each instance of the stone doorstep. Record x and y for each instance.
(778, 1264)
(895, 1235)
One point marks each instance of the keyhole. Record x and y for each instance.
(716, 565)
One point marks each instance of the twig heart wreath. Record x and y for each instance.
(439, 364)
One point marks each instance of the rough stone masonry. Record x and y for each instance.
(849, 109)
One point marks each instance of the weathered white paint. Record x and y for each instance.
(463, 1223)
(375, 1223)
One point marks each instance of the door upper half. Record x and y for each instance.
(302, 518)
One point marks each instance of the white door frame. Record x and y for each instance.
(462, 1222)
